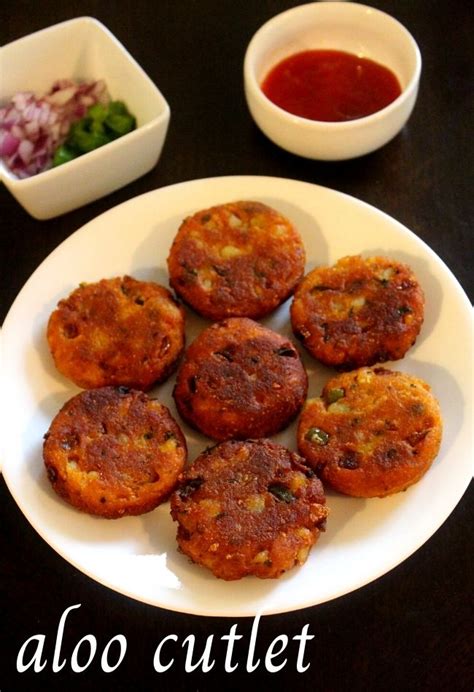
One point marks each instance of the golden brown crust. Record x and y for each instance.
(249, 507)
(358, 312)
(236, 259)
(114, 452)
(117, 331)
(372, 433)
(239, 379)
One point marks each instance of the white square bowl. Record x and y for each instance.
(85, 50)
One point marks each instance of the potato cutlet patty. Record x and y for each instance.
(239, 379)
(117, 331)
(114, 451)
(358, 312)
(372, 433)
(241, 259)
(248, 507)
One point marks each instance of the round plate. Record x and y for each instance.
(138, 556)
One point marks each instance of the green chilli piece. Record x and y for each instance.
(63, 154)
(318, 436)
(335, 394)
(103, 123)
(82, 138)
(281, 492)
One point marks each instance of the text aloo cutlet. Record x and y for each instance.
(117, 331)
(241, 259)
(358, 312)
(248, 508)
(114, 452)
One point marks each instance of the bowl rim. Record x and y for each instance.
(82, 19)
(252, 85)
(12, 180)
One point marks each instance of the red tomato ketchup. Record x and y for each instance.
(330, 85)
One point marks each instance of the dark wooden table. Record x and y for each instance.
(410, 629)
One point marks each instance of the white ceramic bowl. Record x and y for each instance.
(346, 26)
(84, 49)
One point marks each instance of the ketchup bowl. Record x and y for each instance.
(337, 28)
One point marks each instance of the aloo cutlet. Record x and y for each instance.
(241, 259)
(113, 452)
(239, 379)
(372, 433)
(248, 508)
(358, 312)
(117, 331)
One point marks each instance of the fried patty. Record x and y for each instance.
(239, 379)
(117, 331)
(372, 433)
(241, 259)
(248, 507)
(114, 452)
(358, 312)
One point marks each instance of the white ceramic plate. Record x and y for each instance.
(137, 556)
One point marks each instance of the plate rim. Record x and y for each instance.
(84, 229)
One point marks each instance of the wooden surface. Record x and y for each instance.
(410, 629)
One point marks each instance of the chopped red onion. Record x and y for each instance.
(8, 144)
(32, 128)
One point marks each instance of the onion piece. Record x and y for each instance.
(32, 128)
(8, 144)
